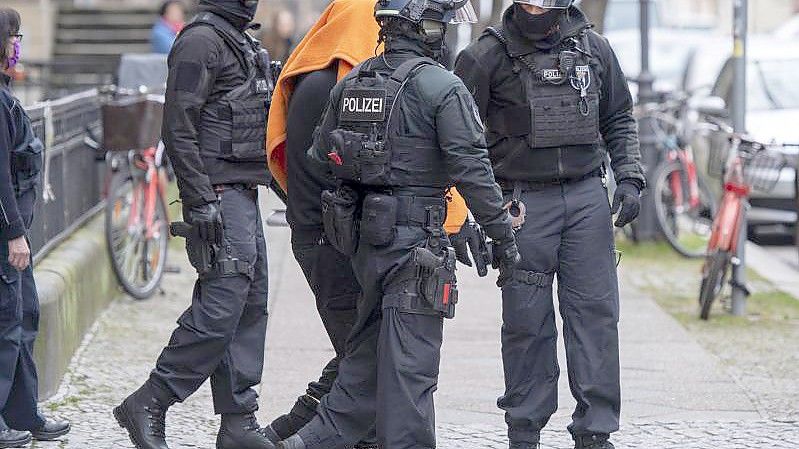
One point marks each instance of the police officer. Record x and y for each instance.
(20, 168)
(399, 130)
(214, 130)
(552, 93)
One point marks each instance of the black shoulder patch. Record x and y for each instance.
(187, 77)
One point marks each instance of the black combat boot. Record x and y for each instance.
(293, 442)
(287, 425)
(597, 441)
(143, 415)
(241, 431)
(14, 438)
(51, 430)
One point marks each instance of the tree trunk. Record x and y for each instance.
(595, 10)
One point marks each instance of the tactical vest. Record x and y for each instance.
(26, 163)
(233, 127)
(368, 147)
(562, 92)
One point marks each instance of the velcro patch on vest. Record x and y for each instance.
(363, 105)
(262, 86)
(552, 75)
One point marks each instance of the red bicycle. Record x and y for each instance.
(137, 221)
(750, 165)
(683, 202)
(136, 216)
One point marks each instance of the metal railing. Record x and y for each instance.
(71, 189)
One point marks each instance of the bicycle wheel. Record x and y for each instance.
(714, 275)
(138, 257)
(686, 227)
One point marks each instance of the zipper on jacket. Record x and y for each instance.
(560, 162)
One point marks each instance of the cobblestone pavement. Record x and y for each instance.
(676, 394)
(659, 435)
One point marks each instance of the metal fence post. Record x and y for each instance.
(738, 109)
(646, 225)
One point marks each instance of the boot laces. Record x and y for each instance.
(156, 418)
(251, 424)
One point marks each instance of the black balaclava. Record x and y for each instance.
(238, 12)
(400, 34)
(537, 27)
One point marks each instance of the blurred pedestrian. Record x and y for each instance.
(214, 131)
(172, 19)
(20, 167)
(279, 37)
(554, 101)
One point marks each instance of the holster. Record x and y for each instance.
(437, 281)
(340, 219)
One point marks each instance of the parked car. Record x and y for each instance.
(772, 115)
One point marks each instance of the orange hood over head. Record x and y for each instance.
(346, 34)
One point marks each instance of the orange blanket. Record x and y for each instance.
(346, 33)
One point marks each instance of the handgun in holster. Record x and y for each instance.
(438, 283)
(480, 249)
(204, 259)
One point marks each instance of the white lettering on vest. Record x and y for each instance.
(363, 105)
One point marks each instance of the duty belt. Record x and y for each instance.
(420, 211)
(508, 185)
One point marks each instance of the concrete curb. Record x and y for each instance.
(75, 284)
(773, 269)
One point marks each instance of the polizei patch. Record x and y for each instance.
(363, 105)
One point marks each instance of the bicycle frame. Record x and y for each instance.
(727, 225)
(148, 162)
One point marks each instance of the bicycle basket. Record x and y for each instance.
(762, 168)
(131, 123)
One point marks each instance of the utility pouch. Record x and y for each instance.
(26, 166)
(379, 219)
(340, 219)
(345, 159)
(437, 281)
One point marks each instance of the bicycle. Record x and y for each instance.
(749, 165)
(684, 204)
(136, 216)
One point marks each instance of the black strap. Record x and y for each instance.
(226, 31)
(533, 278)
(526, 60)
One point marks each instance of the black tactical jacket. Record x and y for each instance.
(488, 72)
(203, 71)
(16, 137)
(435, 103)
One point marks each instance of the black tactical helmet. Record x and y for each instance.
(442, 11)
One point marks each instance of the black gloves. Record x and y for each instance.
(506, 254)
(626, 202)
(207, 220)
(472, 239)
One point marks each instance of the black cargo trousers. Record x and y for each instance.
(390, 370)
(330, 276)
(222, 334)
(568, 234)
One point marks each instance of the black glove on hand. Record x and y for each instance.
(207, 220)
(626, 202)
(460, 242)
(506, 254)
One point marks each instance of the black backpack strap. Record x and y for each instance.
(400, 76)
(226, 31)
(499, 34)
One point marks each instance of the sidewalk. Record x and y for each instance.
(676, 394)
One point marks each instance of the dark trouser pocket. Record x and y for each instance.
(340, 219)
(378, 219)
